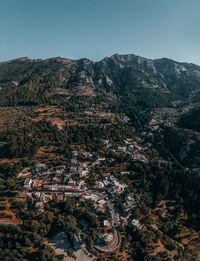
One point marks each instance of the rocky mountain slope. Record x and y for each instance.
(146, 82)
(161, 90)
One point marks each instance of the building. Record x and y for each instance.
(136, 223)
(106, 175)
(40, 165)
(99, 185)
(24, 174)
(105, 239)
(27, 183)
(39, 206)
(106, 223)
(89, 196)
(37, 184)
(125, 172)
(122, 149)
(129, 202)
(84, 173)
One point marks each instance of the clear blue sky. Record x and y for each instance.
(99, 28)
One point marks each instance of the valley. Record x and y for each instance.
(103, 155)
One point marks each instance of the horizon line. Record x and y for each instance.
(92, 60)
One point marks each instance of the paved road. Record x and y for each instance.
(115, 220)
(115, 244)
(112, 247)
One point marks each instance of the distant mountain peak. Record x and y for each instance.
(149, 82)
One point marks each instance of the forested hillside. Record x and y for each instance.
(84, 142)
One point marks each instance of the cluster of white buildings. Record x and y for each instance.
(129, 203)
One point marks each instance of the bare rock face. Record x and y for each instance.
(152, 83)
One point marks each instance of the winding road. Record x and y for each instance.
(115, 244)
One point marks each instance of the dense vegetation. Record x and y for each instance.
(147, 82)
(17, 244)
(191, 120)
(108, 100)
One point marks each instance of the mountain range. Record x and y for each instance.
(148, 83)
(142, 88)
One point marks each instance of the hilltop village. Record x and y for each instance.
(89, 177)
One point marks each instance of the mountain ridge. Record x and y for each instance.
(23, 58)
(34, 81)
